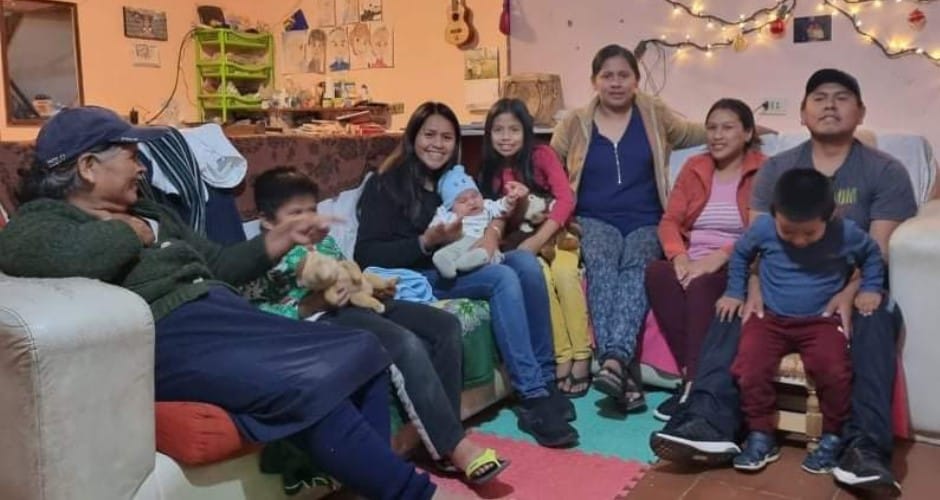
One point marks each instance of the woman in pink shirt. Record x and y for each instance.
(510, 154)
(706, 212)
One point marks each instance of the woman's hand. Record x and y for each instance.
(709, 264)
(441, 234)
(681, 265)
(531, 244)
(490, 239)
(305, 229)
(516, 191)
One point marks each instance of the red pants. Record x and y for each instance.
(684, 315)
(825, 354)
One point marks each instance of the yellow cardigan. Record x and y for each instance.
(664, 128)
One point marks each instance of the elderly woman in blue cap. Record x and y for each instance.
(322, 386)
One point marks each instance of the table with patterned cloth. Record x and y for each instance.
(13, 156)
(335, 163)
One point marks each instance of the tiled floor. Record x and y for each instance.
(917, 467)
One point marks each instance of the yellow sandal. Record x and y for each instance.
(486, 459)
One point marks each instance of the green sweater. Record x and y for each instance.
(54, 239)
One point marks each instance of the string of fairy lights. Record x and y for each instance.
(772, 19)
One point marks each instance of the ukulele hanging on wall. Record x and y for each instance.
(459, 31)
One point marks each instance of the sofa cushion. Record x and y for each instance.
(197, 433)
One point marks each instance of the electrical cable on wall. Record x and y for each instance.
(176, 82)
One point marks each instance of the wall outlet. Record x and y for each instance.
(773, 106)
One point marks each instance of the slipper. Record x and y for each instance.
(610, 383)
(573, 381)
(487, 459)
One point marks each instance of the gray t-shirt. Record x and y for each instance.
(869, 185)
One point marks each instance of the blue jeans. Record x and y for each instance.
(518, 300)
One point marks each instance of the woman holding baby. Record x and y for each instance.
(395, 212)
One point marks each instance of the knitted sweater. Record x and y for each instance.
(54, 239)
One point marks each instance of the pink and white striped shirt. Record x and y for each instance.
(720, 222)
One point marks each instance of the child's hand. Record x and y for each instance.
(867, 302)
(515, 190)
(727, 307)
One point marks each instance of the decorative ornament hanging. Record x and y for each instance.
(504, 19)
(739, 43)
(778, 27)
(917, 19)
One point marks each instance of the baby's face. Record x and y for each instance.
(468, 202)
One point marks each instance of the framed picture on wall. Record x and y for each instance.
(145, 24)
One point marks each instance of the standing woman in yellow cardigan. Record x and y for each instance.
(616, 150)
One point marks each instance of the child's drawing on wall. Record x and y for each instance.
(382, 46)
(347, 11)
(323, 13)
(294, 51)
(316, 51)
(370, 10)
(360, 46)
(337, 50)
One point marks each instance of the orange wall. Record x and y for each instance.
(426, 67)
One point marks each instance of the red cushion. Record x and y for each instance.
(197, 433)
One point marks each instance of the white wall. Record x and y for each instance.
(901, 94)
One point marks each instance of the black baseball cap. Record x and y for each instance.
(74, 131)
(831, 75)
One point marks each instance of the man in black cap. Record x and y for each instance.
(875, 191)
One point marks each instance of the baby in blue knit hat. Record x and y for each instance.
(463, 200)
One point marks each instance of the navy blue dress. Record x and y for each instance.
(275, 376)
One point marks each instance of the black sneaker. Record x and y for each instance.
(862, 468)
(667, 408)
(693, 441)
(561, 404)
(539, 418)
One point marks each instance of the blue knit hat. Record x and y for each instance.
(454, 182)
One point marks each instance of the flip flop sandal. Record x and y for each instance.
(610, 383)
(633, 384)
(486, 459)
(586, 380)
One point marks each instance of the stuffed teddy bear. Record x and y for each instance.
(536, 212)
(320, 273)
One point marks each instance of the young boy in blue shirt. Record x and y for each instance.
(806, 256)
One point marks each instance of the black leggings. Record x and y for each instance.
(425, 344)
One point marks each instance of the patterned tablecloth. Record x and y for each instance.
(335, 163)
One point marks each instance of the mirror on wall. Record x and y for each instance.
(41, 59)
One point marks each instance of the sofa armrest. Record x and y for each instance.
(915, 285)
(76, 389)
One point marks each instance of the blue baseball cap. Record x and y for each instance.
(74, 131)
